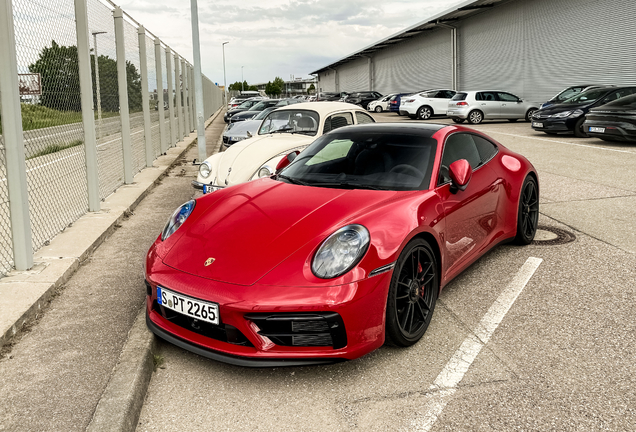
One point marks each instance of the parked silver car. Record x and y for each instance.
(476, 106)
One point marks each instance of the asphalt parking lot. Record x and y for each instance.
(528, 338)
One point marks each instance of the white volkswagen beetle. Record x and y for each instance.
(284, 130)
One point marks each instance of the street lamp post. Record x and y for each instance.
(97, 93)
(224, 79)
(242, 89)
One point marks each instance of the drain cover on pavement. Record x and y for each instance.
(549, 236)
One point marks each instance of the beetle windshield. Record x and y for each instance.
(365, 160)
(291, 121)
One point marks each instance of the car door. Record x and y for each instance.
(471, 215)
(511, 106)
(440, 101)
(489, 104)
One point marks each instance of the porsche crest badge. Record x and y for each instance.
(208, 261)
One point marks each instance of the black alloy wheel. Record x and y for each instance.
(528, 213)
(424, 113)
(458, 120)
(378, 109)
(579, 129)
(412, 294)
(475, 117)
(529, 114)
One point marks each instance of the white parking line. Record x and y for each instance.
(445, 385)
(563, 142)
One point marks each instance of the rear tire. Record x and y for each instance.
(578, 129)
(378, 109)
(527, 212)
(424, 113)
(412, 294)
(475, 117)
(529, 114)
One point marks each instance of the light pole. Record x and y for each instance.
(198, 81)
(224, 79)
(242, 89)
(99, 100)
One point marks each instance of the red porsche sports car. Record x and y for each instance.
(344, 249)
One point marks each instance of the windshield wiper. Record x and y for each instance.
(350, 184)
(283, 129)
(292, 180)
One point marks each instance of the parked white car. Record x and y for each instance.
(423, 106)
(284, 130)
(381, 104)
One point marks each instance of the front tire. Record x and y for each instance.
(579, 130)
(424, 113)
(528, 212)
(458, 120)
(378, 109)
(412, 294)
(475, 117)
(512, 120)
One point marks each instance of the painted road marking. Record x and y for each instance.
(563, 142)
(445, 385)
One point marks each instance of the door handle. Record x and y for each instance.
(483, 104)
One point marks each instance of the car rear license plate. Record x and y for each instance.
(194, 308)
(597, 129)
(537, 124)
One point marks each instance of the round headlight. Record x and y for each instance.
(205, 169)
(265, 171)
(177, 219)
(340, 252)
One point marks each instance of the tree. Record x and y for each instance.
(60, 77)
(273, 89)
(311, 89)
(59, 69)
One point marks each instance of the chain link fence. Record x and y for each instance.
(47, 61)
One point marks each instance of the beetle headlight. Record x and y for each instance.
(340, 252)
(205, 169)
(177, 219)
(265, 171)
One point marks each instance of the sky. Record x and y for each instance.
(269, 38)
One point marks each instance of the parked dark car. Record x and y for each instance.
(569, 93)
(363, 98)
(570, 115)
(331, 96)
(615, 121)
(262, 105)
(246, 106)
(395, 101)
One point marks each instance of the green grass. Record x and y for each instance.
(53, 148)
(38, 117)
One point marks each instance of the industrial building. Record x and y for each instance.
(532, 48)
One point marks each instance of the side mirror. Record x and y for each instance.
(286, 160)
(460, 174)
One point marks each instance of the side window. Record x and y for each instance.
(337, 121)
(364, 118)
(507, 97)
(479, 97)
(485, 148)
(458, 146)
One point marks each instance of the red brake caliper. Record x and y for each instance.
(419, 270)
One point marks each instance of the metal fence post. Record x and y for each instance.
(123, 95)
(186, 97)
(88, 116)
(173, 132)
(163, 138)
(145, 96)
(192, 101)
(178, 103)
(14, 143)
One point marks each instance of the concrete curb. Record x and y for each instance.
(24, 294)
(120, 405)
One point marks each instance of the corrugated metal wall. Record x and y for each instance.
(533, 48)
(327, 81)
(420, 63)
(354, 76)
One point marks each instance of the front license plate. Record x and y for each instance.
(208, 188)
(537, 124)
(194, 308)
(597, 129)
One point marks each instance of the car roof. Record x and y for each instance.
(322, 108)
(424, 129)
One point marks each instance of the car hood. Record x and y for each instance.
(557, 108)
(241, 128)
(239, 163)
(252, 228)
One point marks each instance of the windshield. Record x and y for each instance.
(365, 160)
(588, 96)
(628, 103)
(261, 115)
(568, 93)
(261, 106)
(247, 104)
(291, 121)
